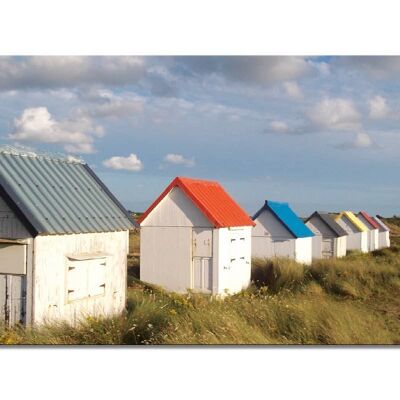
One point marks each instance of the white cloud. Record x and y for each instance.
(378, 108)
(68, 71)
(38, 125)
(335, 114)
(361, 141)
(292, 89)
(130, 163)
(179, 159)
(279, 126)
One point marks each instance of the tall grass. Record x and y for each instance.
(353, 300)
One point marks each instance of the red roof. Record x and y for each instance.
(369, 219)
(211, 199)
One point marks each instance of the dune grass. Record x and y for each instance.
(353, 300)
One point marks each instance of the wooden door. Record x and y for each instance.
(202, 274)
(327, 248)
(12, 299)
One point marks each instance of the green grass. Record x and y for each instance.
(353, 300)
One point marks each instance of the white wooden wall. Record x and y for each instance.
(232, 261)
(356, 240)
(373, 234)
(303, 250)
(340, 246)
(166, 257)
(384, 239)
(176, 209)
(317, 246)
(50, 270)
(317, 226)
(10, 226)
(270, 238)
(320, 229)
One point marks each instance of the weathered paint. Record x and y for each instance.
(270, 238)
(10, 225)
(51, 257)
(12, 299)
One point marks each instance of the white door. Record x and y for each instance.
(202, 242)
(202, 274)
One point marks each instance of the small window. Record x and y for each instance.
(85, 278)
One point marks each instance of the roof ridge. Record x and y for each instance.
(217, 205)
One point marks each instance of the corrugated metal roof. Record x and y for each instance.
(57, 196)
(330, 222)
(369, 219)
(211, 199)
(353, 219)
(381, 224)
(288, 217)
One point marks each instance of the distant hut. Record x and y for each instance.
(384, 234)
(330, 238)
(63, 241)
(373, 230)
(279, 232)
(196, 237)
(357, 232)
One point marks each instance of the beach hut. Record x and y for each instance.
(373, 230)
(357, 232)
(330, 238)
(196, 237)
(279, 232)
(384, 234)
(63, 241)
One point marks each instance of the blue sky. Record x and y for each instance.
(319, 132)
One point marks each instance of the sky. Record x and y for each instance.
(321, 133)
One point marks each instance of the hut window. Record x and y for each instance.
(85, 278)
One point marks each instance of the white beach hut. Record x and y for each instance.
(330, 238)
(357, 232)
(63, 241)
(373, 230)
(279, 232)
(196, 237)
(384, 233)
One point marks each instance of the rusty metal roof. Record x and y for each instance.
(211, 199)
(59, 196)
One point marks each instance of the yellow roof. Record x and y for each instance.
(353, 219)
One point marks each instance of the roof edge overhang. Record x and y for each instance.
(319, 214)
(28, 220)
(111, 196)
(353, 219)
(369, 219)
(266, 206)
(177, 182)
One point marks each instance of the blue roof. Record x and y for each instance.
(287, 216)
